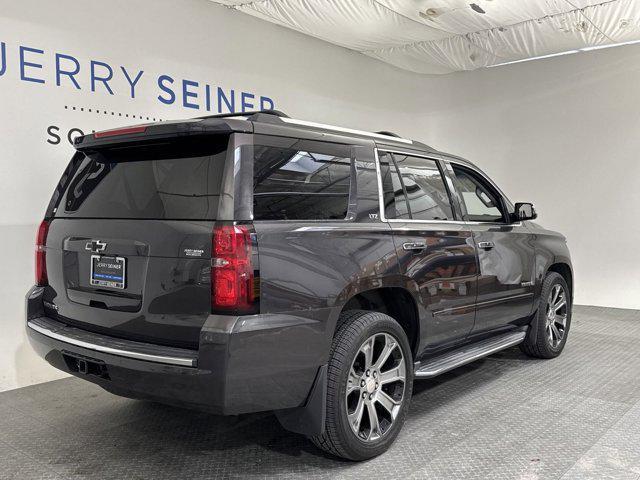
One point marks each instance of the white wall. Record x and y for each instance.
(564, 133)
(190, 39)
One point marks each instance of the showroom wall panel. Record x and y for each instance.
(61, 74)
(563, 133)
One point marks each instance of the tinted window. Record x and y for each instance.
(303, 180)
(425, 189)
(480, 201)
(395, 203)
(179, 179)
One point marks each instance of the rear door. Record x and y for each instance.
(505, 251)
(435, 251)
(129, 247)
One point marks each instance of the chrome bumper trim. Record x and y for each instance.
(66, 335)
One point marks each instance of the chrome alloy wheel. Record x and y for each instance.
(375, 387)
(556, 323)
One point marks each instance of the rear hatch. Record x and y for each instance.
(129, 244)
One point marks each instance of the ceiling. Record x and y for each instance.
(443, 36)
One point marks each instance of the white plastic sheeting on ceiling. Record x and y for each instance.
(442, 36)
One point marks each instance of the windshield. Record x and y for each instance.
(178, 179)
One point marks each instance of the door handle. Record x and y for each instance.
(486, 245)
(414, 246)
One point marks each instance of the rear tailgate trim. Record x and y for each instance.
(114, 346)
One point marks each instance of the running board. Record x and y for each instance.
(467, 354)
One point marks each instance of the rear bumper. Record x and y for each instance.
(190, 387)
(256, 364)
(76, 337)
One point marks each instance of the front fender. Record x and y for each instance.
(550, 249)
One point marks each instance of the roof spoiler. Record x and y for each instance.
(151, 132)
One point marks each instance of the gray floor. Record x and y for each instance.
(507, 416)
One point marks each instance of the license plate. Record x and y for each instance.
(108, 271)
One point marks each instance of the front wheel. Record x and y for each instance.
(369, 384)
(554, 319)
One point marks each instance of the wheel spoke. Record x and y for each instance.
(355, 418)
(387, 402)
(395, 374)
(353, 382)
(556, 334)
(389, 347)
(558, 297)
(367, 349)
(561, 320)
(374, 423)
(559, 305)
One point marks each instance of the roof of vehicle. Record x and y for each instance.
(262, 121)
(267, 122)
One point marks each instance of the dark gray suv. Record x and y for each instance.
(251, 262)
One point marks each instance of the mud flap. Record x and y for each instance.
(308, 419)
(532, 333)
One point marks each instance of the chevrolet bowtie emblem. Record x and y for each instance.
(95, 246)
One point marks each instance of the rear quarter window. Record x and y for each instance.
(301, 180)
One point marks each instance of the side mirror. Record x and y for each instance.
(524, 211)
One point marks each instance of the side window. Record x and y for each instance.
(427, 195)
(395, 202)
(301, 180)
(480, 201)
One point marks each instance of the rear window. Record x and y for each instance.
(180, 179)
(301, 180)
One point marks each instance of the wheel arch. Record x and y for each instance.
(397, 302)
(565, 271)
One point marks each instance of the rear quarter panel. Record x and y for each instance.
(308, 271)
(306, 267)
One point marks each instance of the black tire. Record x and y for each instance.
(537, 343)
(355, 327)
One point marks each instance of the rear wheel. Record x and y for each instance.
(369, 384)
(554, 319)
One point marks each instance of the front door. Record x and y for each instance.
(435, 252)
(505, 252)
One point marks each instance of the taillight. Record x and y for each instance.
(41, 254)
(232, 278)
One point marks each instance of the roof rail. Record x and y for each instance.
(249, 115)
(265, 114)
(386, 132)
(380, 135)
(257, 114)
